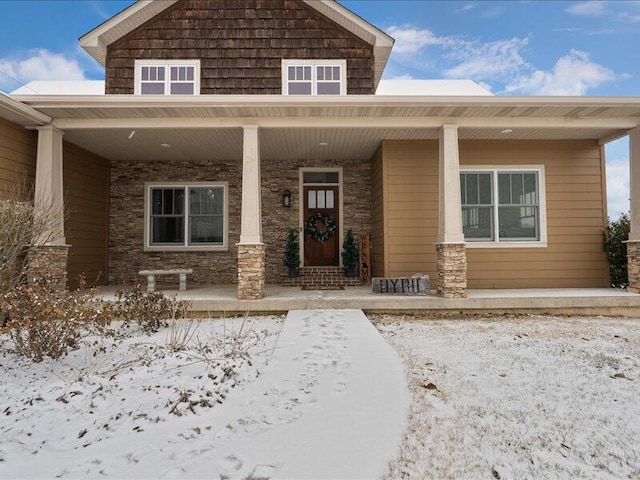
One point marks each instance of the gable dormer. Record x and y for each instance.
(239, 47)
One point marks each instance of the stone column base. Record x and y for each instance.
(452, 270)
(251, 271)
(633, 266)
(49, 262)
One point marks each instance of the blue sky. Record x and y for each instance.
(512, 48)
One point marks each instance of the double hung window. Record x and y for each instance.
(187, 216)
(167, 77)
(314, 77)
(502, 205)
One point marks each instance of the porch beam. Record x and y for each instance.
(345, 122)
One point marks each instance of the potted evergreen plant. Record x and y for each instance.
(350, 257)
(292, 253)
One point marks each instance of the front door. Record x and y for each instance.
(321, 230)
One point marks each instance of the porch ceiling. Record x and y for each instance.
(281, 143)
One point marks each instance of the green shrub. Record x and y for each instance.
(616, 233)
(292, 250)
(350, 256)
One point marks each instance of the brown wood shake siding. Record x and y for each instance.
(241, 44)
(575, 207)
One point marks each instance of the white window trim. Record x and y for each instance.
(184, 248)
(286, 63)
(542, 205)
(137, 76)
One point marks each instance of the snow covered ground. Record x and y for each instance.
(527, 397)
(320, 395)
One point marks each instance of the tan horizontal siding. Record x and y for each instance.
(17, 159)
(86, 183)
(575, 213)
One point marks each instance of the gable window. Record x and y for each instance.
(314, 77)
(503, 206)
(186, 216)
(167, 77)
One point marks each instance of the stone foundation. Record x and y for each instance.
(452, 270)
(49, 262)
(251, 271)
(633, 266)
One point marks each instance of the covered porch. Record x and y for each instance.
(262, 145)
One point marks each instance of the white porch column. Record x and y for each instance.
(251, 227)
(49, 193)
(633, 245)
(452, 263)
(49, 258)
(251, 250)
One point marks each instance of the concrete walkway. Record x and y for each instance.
(331, 404)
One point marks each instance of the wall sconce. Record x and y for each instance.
(286, 198)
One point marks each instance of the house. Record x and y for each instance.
(213, 108)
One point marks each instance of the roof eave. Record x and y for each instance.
(17, 112)
(150, 101)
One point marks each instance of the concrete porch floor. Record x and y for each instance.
(222, 299)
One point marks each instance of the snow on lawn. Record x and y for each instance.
(527, 397)
(96, 411)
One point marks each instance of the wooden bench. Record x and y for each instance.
(151, 277)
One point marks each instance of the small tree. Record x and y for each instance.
(616, 233)
(292, 253)
(350, 256)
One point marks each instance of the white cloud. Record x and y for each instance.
(489, 60)
(573, 74)
(617, 187)
(411, 40)
(466, 8)
(592, 8)
(40, 64)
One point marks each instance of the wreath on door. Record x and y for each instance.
(312, 227)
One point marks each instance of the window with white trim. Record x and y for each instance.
(314, 77)
(502, 205)
(167, 77)
(186, 216)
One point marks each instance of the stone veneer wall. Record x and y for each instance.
(49, 262)
(633, 266)
(452, 270)
(126, 218)
(251, 278)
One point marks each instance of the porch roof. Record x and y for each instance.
(351, 126)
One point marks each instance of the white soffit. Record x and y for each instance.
(95, 42)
